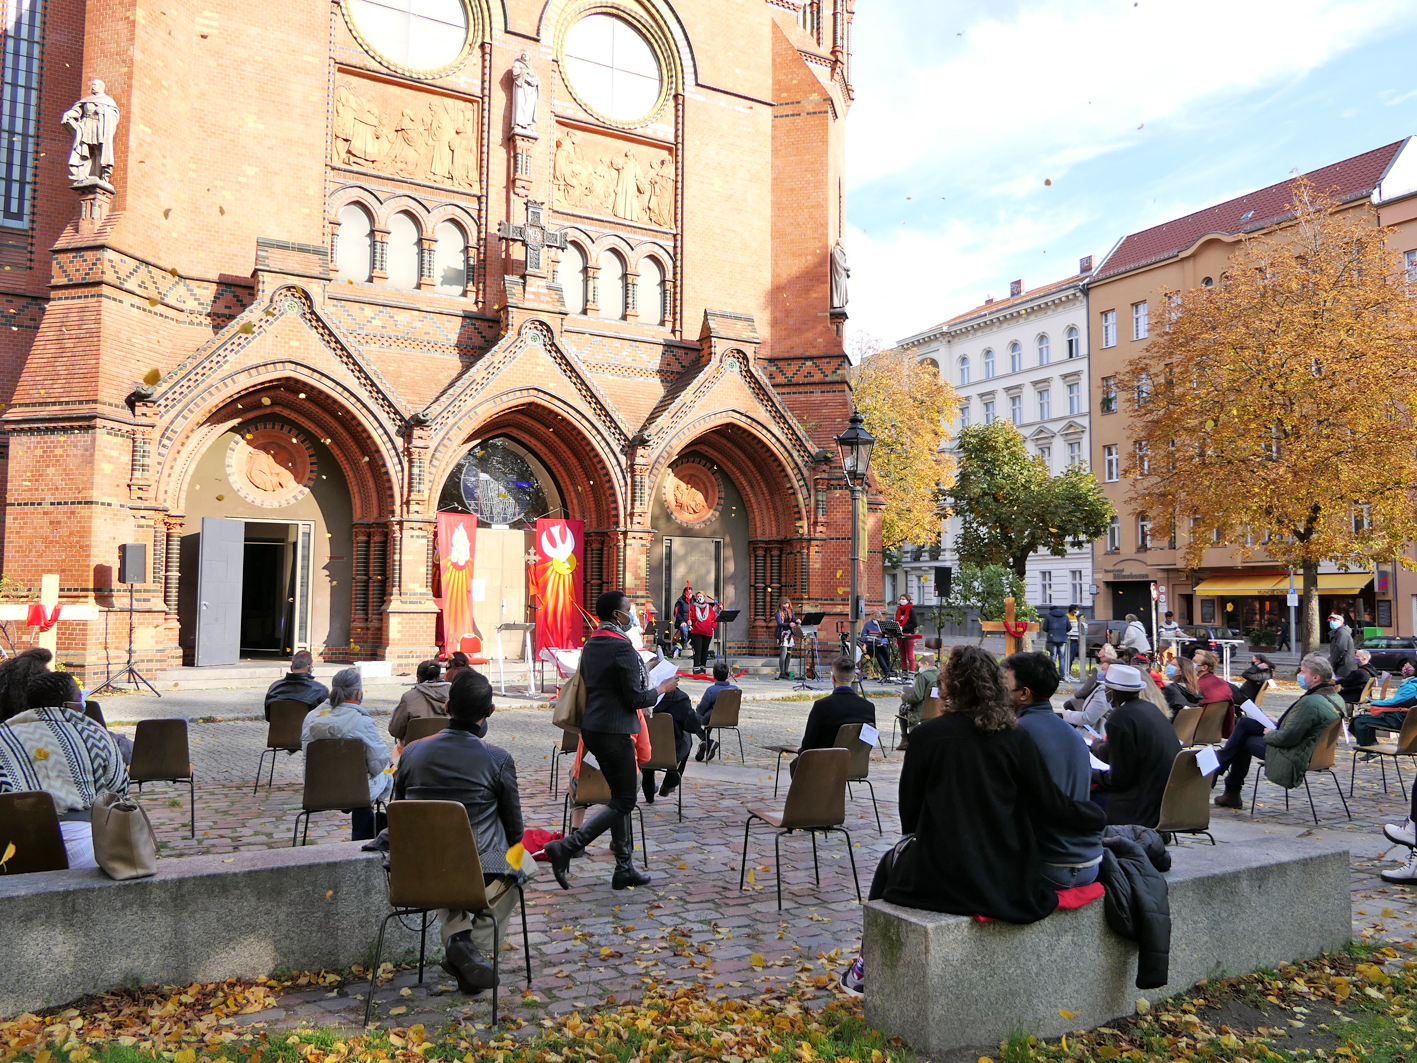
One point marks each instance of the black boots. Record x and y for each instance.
(647, 785)
(464, 962)
(561, 852)
(625, 874)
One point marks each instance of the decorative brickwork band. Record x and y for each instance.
(361, 574)
(760, 590)
(171, 557)
(142, 457)
(378, 571)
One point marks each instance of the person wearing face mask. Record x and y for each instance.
(703, 618)
(1285, 750)
(905, 617)
(616, 690)
(1140, 746)
(1366, 725)
(1255, 678)
(1214, 688)
(1181, 690)
(1089, 706)
(1341, 654)
(682, 605)
(1353, 684)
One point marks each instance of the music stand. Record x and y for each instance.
(726, 617)
(807, 629)
(891, 630)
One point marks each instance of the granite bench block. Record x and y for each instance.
(1257, 898)
(66, 934)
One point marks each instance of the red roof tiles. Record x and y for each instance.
(1349, 179)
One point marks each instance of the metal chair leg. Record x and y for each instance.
(271, 780)
(1397, 766)
(879, 829)
(644, 838)
(294, 837)
(192, 795)
(496, 955)
(1339, 787)
(741, 758)
(305, 835)
(374, 970)
(1254, 793)
(526, 939)
(777, 773)
(816, 865)
(777, 864)
(1353, 773)
(743, 864)
(1312, 810)
(422, 945)
(854, 877)
(260, 767)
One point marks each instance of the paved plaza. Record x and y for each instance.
(692, 925)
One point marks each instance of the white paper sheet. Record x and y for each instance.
(934, 692)
(869, 734)
(1099, 765)
(479, 590)
(589, 761)
(1257, 714)
(662, 671)
(1207, 761)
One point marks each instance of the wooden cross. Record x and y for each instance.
(49, 598)
(533, 234)
(1011, 640)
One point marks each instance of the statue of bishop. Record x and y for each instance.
(93, 120)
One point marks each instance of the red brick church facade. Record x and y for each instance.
(304, 303)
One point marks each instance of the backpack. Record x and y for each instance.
(569, 709)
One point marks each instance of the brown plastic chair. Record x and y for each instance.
(1185, 803)
(931, 708)
(160, 754)
(422, 727)
(336, 778)
(282, 735)
(91, 709)
(1321, 760)
(1367, 695)
(592, 789)
(569, 741)
(434, 863)
(1210, 729)
(663, 752)
(1186, 722)
(1406, 746)
(725, 717)
(932, 642)
(848, 737)
(29, 821)
(816, 801)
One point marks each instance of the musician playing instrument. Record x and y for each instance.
(785, 621)
(905, 617)
(876, 642)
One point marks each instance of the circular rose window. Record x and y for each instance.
(420, 36)
(612, 69)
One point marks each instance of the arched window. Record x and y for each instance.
(1074, 341)
(570, 274)
(964, 369)
(403, 252)
(1044, 349)
(1015, 357)
(651, 297)
(355, 256)
(612, 285)
(989, 365)
(449, 259)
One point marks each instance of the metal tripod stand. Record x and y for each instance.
(133, 675)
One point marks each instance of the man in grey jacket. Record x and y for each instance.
(456, 765)
(1341, 653)
(297, 684)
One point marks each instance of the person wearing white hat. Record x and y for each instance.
(1140, 746)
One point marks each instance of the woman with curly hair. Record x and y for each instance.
(15, 675)
(976, 793)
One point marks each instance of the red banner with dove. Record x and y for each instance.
(557, 582)
(457, 534)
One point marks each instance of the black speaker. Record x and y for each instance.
(943, 573)
(133, 563)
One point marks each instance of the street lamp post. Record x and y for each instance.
(855, 445)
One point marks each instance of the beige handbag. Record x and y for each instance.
(123, 840)
(570, 704)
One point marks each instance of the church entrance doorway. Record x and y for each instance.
(695, 562)
(253, 589)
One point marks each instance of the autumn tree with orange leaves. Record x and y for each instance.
(1277, 406)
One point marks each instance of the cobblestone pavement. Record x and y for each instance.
(691, 923)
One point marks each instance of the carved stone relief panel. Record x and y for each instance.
(404, 132)
(613, 177)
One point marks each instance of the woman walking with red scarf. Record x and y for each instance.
(703, 618)
(905, 617)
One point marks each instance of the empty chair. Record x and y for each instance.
(29, 822)
(282, 735)
(1406, 746)
(422, 727)
(1210, 729)
(1185, 804)
(725, 717)
(472, 646)
(336, 778)
(1186, 721)
(434, 863)
(592, 789)
(816, 801)
(1321, 760)
(663, 753)
(160, 754)
(848, 737)
(569, 741)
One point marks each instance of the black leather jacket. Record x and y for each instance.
(456, 765)
(296, 686)
(615, 684)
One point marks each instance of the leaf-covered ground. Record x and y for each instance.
(1345, 1007)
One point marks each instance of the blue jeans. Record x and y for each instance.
(1065, 878)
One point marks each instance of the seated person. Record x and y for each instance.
(842, 705)
(297, 684)
(458, 663)
(686, 722)
(456, 765)
(1070, 857)
(1140, 746)
(64, 753)
(1089, 706)
(343, 717)
(976, 793)
(879, 645)
(1183, 689)
(1366, 724)
(428, 697)
(1351, 686)
(720, 683)
(1286, 750)
(1255, 678)
(912, 698)
(15, 675)
(1214, 688)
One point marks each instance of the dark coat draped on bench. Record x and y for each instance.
(1138, 902)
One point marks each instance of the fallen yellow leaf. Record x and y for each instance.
(752, 878)
(329, 895)
(757, 959)
(9, 852)
(392, 1011)
(185, 1055)
(1065, 1013)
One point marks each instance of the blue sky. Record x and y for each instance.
(1136, 112)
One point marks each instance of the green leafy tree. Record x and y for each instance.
(1011, 507)
(983, 589)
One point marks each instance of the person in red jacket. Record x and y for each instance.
(905, 617)
(703, 618)
(1213, 687)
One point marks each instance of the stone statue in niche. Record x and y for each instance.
(526, 91)
(406, 134)
(629, 186)
(630, 183)
(840, 271)
(93, 120)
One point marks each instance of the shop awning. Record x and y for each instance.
(1252, 586)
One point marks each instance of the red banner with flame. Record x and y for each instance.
(457, 535)
(557, 581)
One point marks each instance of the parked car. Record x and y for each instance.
(1204, 637)
(1391, 652)
(1100, 631)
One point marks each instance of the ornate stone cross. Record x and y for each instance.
(533, 234)
(1013, 629)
